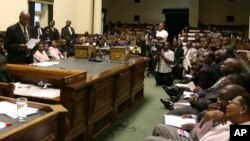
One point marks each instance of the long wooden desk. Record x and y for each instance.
(47, 125)
(94, 102)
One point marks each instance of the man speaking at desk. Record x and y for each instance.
(16, 37)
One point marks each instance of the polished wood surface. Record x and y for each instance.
(93, 102)
(49, 124)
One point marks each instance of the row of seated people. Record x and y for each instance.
(52, 50)
(209, 100)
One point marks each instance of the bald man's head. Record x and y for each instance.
(230, 66)
(24, 18)
(68, 23)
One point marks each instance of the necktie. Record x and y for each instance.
(70, 30)
(25, 34)
(38, 33)
(186, 53)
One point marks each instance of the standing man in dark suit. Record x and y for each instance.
(53, 31)
(178, 59)
(68, 33)
(38, 30)
(16, 37)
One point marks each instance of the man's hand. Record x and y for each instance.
(213, 106)
(186, 116)
(193, 99)
(196, 89)
(188, 126)
(216, 115)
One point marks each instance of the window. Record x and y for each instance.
(38, 7)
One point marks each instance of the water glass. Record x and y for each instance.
(21, 108)
(65, 55)
(123, 59)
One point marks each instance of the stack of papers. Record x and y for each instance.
(35, 91)
(177, 121)
(10, 109)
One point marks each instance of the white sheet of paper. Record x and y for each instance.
(10, 109)
(32, 43)
(181, 105)
(177, 121)
(188, 76)
(45, 64)
(191, 85)
(181, 85)
(187, 94)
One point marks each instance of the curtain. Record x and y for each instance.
(32, 13)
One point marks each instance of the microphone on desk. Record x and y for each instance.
(43, 85)
(102, 55)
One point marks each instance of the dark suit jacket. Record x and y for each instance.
(36, 32)
(178, 54)
(206, 77)
(65, 34)
(13, 38)
(54, 34)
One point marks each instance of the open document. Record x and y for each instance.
(177, 121)
(35, 91)
(10, 109)
(179, 105)
(189, 85)
(32, 43)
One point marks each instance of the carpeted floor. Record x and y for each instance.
(139, 121)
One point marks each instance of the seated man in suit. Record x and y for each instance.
(16, 37)
(47, 36)
(54, 34)
(68, 33)
(64, 48)
(200, 100)
(203, 75)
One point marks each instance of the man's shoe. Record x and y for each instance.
(170, 91)
(168, 104)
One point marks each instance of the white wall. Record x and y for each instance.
(64, 10)
(9, 12)
(78, 11)
(216, 11)
(150, 11)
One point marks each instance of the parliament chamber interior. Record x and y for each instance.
(118, 70)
